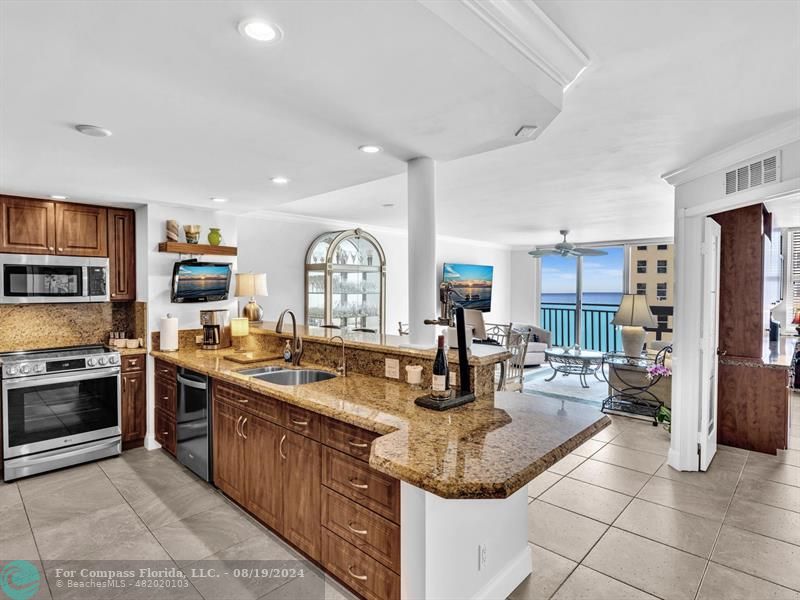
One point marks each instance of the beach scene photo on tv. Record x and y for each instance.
(472, 285)
(201, 281)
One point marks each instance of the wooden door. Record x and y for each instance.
(122, 254)
(27, 226)
(262, 471)
(301, 476)
(81, 230)
(133, 406)
(709, 343)
(229, 451)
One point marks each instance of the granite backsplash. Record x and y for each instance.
(33, 326)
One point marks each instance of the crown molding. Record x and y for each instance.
(761, 143)
(521, 37)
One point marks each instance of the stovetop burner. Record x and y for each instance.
(27, 363)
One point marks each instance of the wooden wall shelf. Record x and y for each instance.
(184, 248)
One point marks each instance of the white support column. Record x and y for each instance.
(423, 290)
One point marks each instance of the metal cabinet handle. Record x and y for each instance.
(280, 447)
(239, 420)
(165, 433)
(51, 248)
(243, 424)
(165, 397)
(301, 423)
(133, 361)
(163, 370)
(60, 249)
(359, 577)
(241, 401)
(359, 486)
(357, 444)
(354, 530)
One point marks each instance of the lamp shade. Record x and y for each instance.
(251, 284)
(240, 327)
(634, 312)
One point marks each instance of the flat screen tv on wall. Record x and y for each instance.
(194, 281)
(472, 284)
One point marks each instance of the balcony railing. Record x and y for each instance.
(597, 332)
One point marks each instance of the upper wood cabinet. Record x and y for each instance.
(122, 254)
(27, 226)
(81, 230)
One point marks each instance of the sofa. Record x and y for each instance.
(536, 345)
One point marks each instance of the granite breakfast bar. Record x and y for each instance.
(463, 473)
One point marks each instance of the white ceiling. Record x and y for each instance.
(668, 83)
(198, 111)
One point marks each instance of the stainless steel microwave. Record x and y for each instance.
(29, 278)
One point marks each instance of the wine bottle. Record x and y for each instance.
(440, 386)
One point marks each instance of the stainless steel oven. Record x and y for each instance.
(28, 278)
(60, 408)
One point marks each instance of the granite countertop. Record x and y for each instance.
(128, 351)
(481, 354)
(487, 449)
(780, 353)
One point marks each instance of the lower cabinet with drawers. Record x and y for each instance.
(166, 403)
(306, 477)
(134, 401)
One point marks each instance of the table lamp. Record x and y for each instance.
(633, 315)
(240, 328)
(252, 285)
(796, 321)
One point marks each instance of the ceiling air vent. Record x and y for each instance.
(752, 174)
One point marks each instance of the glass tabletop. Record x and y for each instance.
(572, 353)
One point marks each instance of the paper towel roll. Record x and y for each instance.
(169, 333)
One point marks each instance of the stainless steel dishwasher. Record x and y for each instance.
(194, 422)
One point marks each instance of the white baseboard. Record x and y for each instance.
(507, 580)
(150, 443)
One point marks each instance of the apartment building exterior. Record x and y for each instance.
(652, 274)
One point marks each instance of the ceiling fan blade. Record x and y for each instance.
(588, 252)
(544, 252)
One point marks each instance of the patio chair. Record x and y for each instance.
(514, 380)
(402, 328)
(498, 332)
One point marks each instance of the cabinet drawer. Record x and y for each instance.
(302, 421)
(370, 533)
(364, 574)
(347, 438)
(356, 480)
(165, 430)
(258, 404)
(133, 363)
(165, 370)
(166, 396)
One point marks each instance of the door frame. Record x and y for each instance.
(709, 342)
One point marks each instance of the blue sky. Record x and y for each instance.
(600, 273)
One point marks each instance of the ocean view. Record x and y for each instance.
(588, 298)
(558, 317)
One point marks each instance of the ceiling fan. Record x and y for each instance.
(565, 248)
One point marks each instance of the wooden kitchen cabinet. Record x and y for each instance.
(27, 226)
(229, 451)
(81, 230)
(302, 506)
(262, 471)
(165, 430)
(122, 254)
(134, 401)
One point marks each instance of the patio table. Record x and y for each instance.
(569, 361)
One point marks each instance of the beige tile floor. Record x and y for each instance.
(613, 521)
(145, 509)
(610, 521)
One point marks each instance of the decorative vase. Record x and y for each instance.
(172, 230)
(214, 236)
(192, 233)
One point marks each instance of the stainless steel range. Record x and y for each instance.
(61, 407)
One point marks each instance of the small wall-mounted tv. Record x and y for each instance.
(472, 285)
(195, 281)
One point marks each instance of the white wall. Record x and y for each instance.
(277, 245)
(160, 264)
(525, 287)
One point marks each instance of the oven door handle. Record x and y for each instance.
(49, 457)
(11, 384)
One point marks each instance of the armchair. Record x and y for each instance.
(538, 341)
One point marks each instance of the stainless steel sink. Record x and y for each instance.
(259, 370)
(295, 376)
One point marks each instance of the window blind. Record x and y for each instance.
(794, 251)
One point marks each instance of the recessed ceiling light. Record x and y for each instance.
(280, 180)
(58, 197)
(220, 200)
(93, 130)
(369, 149)
(261, 31)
